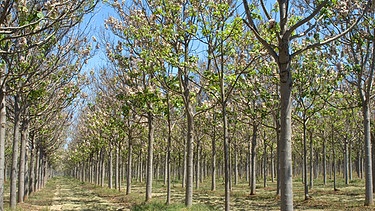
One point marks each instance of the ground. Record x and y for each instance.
(62, 193)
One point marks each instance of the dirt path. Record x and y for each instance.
(66, 194)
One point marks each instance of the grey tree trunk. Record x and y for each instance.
(265, 163)
(346, 161)
(305, 184)
(197, 165)
(110, 169)
(129, 169)
(36, 171)
(150, 155)
(16, 140)
(253, 160)
(117, 166)
(189, 153)
(2, 134)
(368, 164)
(324, 161)
(168, 157)
(102, 167)
(286, 129)
(213, 157)
(184, 166)
(311, 161)
(22, 164)
(227, 170)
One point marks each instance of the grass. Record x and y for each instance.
(348, 197)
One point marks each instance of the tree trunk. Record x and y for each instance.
(324, 161)
(110, 169)
(213, 157)
(168, 157)
(285, 123)
(368, 165)
(22, 164)
(197, 165)
(150, 155)
(253, 160)
(16, 139)
(272, 165)
(306, 187)
(311, 161)
(129, 169)
(265, 163)
(102, 167)
(346, 162)
(2, 134)
(117, 166)
(189, 153)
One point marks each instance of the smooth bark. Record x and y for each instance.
(150, 155)
(15, 150)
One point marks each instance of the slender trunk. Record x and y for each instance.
(185, 166)
(32, 165)
(311, 161)
(110, 169)
(102, 167)
(150, 155)
(235, 164)
(278, 153)
(324, 161)
(213, 157)
(265, 163)
(368, 165)
(129, 169)
(197, 165)
(16, 139)
(226, 158)
(346, 162)
(285, 123)
(189, 154)
(36, 170)
(306, 187)
(272, 164)
(168, 157)
(253, 160)
(22, 164)
(2, 135)
(117, 165)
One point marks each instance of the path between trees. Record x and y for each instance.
(67, 194)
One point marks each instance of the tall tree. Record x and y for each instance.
(290, 26)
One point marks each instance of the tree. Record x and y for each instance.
(292, 25)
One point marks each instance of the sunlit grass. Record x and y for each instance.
(323, 197)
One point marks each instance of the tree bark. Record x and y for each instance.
(213, 157)
(110, 169)
(286, 129)
(368, 164)
(253, 160)
(129, 169)
(16, 139)
(150, 155)
(22, 164)
(2, 134)
(189, 153)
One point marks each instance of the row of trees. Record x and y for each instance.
(240, 71)
(41, 55)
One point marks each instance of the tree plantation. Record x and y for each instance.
(189, 104)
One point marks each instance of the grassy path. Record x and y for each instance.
(70, 194)
(67, 194)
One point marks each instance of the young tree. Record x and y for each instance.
(292, 25)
